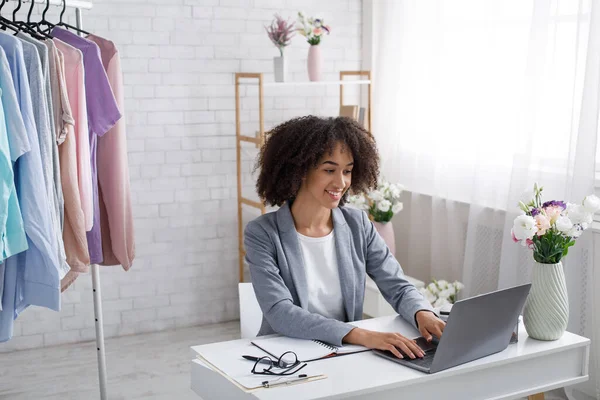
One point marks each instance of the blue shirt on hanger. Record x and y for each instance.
(13, 144)
(31, 277)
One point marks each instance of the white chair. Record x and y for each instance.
(250, 312)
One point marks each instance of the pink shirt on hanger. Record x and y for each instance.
(74, 236)
(74, 77)
(116, 218)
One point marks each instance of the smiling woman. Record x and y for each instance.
(309, 260)
(294, 153)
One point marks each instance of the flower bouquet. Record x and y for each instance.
(550, 229)
(313, 29)
(381, 204)
(281, 33)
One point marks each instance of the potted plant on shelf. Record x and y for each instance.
(381, 205)
(281, 33)
(550, 229)
(312, 29)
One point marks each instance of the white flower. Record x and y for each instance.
(396, 208)
(442, 284)
(527, 196)
(563, 224)
(359, 202)
(430, 297)
(376, 195)
(395, 190)
(384, 205)
(432, 288)
(575, 231)
(439, 303)
(578, 214)
(459, 286)
(591, 204)
(524, 227)
(446, 293)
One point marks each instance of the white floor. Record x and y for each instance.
(148, 366)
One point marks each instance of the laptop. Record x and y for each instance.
(477, 327)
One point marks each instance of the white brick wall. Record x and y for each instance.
(179, 58)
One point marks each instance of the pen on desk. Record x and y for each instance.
(300, 377)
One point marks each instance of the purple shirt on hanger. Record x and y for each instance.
(103, 113)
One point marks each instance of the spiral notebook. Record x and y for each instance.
(306, 350)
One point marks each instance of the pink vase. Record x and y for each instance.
(314, 63)
(386, 231)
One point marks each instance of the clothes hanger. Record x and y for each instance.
(4, 22)
(20, 26)
(44, 22)
(29, 27)
(61, 23)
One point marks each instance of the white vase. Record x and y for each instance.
(546, 312)
(279, 68)
(386, 231)
(314, 63)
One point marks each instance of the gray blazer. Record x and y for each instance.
(277, 268)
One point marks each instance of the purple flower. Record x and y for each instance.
(534, 212)
(555, 203)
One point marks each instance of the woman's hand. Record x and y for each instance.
(429, 324)
(384, 341)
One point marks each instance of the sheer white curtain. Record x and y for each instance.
(474, 101)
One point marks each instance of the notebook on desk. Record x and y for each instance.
(306, 350)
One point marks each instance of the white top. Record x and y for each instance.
(322, 276)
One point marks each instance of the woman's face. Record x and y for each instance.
(332, 177)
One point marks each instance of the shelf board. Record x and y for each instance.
(308, 83)
(86, 5)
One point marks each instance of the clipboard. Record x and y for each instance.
(235, 369)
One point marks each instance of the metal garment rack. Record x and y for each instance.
(79, 5)
(87, 5)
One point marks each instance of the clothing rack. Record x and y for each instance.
(87, 5)
(79, 5)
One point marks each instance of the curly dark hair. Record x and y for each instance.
(296, 146)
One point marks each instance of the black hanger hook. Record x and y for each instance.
(30, 11)
(64, 8)
(45, 10)
(16, 9)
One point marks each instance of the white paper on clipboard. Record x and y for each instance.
(231, 365)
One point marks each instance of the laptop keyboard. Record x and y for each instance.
(426, 361)
(422, 362)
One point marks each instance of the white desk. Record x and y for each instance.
(523, 369)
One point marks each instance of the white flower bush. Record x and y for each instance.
(441, 293)
(381, 203)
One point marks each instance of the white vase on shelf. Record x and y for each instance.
(279, 68)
